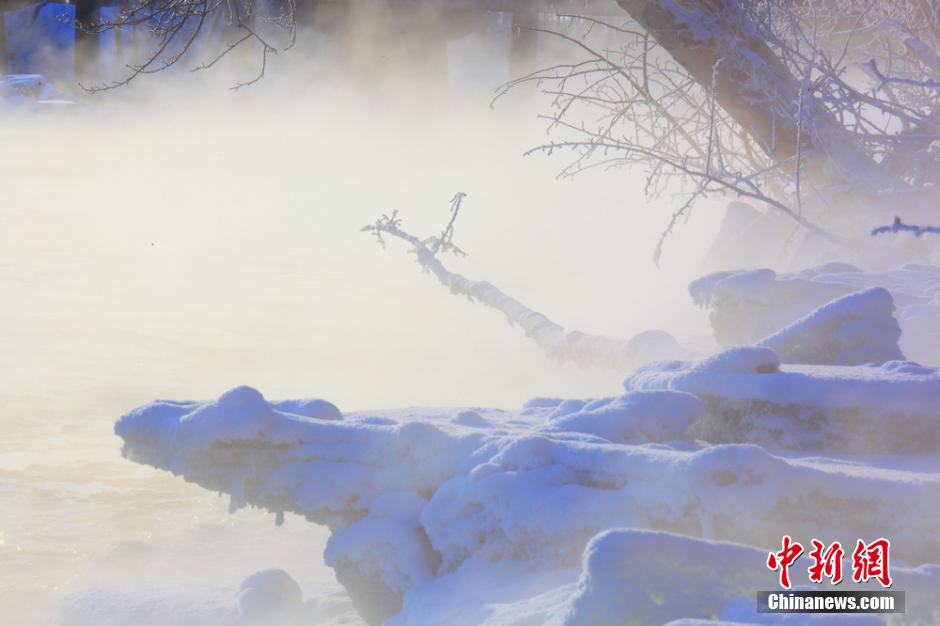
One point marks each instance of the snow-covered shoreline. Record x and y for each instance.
(417, 497)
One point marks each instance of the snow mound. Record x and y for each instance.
(267, 593)
(745, 306)
(852, 330)
(655, 416)
(613, 589)
(414, 498)
(471, 418)
(310, 407)
(750, 397)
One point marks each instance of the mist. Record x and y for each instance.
(184, 255)
(176, 239)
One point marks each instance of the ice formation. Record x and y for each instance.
(747, 305)
(505, 517)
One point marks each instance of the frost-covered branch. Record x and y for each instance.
(766, 100)
(897, 226)
(551, 337)
(176, 28)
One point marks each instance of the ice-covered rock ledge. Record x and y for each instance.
(751, 397)
(418, 498)
(747, 305)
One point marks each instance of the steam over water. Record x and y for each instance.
(180, 244)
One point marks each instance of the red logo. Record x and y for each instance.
(869, 561)
(784, 559)
(826, 562)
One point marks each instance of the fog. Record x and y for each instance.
(177, 239)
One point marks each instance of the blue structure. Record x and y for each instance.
(41, 42)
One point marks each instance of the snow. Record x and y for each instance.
(482, 516)
(28, 90)
(656, 416)
(747, 305)
(651, 506)
(693, 580)
(268, 592)
(852, 330)
(752, 397)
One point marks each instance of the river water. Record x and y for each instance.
(177, 251)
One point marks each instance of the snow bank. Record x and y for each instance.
(746, 305)
(751, 397)
(418, 499)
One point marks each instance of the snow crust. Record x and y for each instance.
(482, 516)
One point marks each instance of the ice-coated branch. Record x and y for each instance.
(582, 348)
(760, 100)
(897, 226)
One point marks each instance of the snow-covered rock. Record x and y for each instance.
(751, 397)
(852, 330)
(268, 594)
(656, 416)
(416, 498)
(634, 576)
(745, 306)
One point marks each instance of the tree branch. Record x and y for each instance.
(584, 349)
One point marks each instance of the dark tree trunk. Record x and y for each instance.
(86, 44)
(4, 64)
(523, 52)
(699, 34)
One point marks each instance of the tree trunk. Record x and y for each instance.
(86, 44)
(3, 43)
(716, 42)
